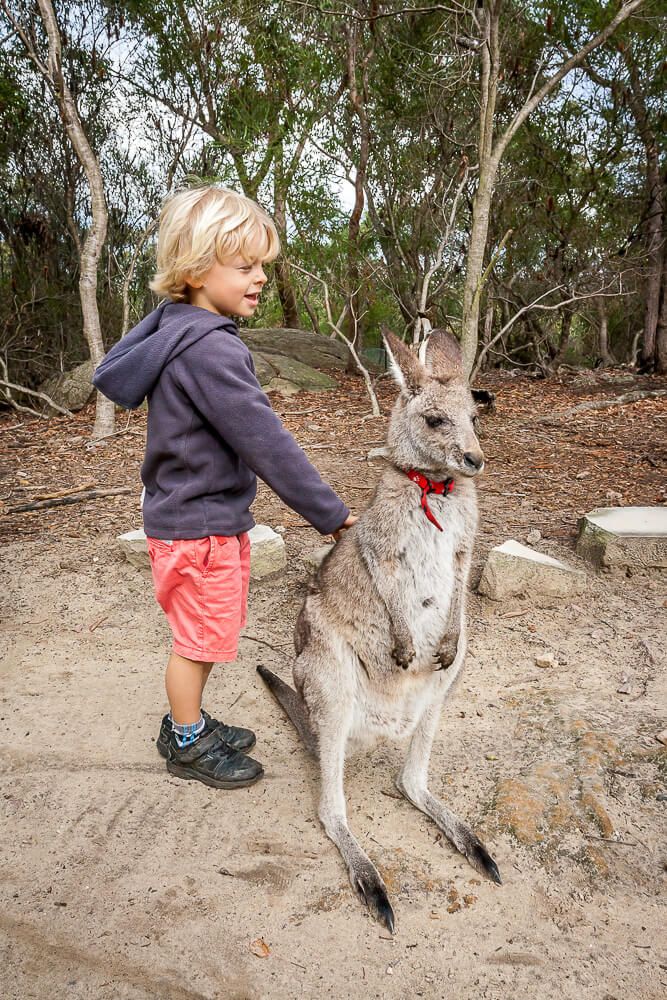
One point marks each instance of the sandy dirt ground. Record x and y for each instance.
(119, 881)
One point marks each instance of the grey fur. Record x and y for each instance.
(381, 639)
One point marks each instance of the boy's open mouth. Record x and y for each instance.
(252, 299)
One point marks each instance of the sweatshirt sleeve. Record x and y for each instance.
(219, 378)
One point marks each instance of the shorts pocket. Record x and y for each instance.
(158, 546)
(206, 551)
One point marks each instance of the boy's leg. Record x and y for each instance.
(184, 681)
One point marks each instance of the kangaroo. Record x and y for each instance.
(381, 639)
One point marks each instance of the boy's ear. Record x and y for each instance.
(441, 353)
(404, 365)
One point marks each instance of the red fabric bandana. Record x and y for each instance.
(428, 486)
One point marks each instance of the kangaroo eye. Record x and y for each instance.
(434, 421)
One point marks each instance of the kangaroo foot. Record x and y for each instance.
(368, 884)
(478, 856)
(456, 831)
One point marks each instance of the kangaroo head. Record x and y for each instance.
(432, 426)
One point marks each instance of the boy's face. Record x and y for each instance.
(229, 289)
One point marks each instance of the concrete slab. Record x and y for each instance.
(512, 569)
(267, 551)
(633, 537)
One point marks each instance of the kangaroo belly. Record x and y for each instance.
(391, 716)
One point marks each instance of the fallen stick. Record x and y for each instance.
(36, 393)
(79, 498)
(602, 404)
(64, 493)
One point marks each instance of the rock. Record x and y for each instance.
(628, 537)
(282, 386)
(309, 348)
(280, 529)
(71, 389)
(267, 551)
(512, 569)
(303, 376)
(274, 369)
(133, 547)
(533, 536)
(313, 560)
(263, 368)
(662, 737)
(545, 659)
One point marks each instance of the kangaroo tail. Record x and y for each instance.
(293, 707)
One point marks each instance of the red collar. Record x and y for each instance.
(429, 486)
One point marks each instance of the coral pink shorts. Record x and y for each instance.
(201, 584)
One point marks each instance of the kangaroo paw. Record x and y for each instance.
(447, 652)
(372, 891)
(402, 655)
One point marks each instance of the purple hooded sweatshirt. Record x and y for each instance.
(210, 428)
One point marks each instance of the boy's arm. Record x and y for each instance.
(219, 378)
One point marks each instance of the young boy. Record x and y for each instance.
(210, 429)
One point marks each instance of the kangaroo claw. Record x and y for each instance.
(479, 858)
(372, 892)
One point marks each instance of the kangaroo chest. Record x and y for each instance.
(428, 572)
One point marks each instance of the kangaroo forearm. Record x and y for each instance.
(451, 639)
(388, 590)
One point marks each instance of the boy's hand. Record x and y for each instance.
(349, 521)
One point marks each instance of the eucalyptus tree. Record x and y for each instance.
(632, 67)
(564, 196)
(71, 73)
(252, 79)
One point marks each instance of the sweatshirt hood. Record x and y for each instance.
(132, 367)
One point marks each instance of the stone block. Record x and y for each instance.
(633, 537)
(133, 547)
(512, 569)
(267, 551)
(313, 560)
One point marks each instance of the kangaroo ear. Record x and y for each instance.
(442, 355)
(405, 366)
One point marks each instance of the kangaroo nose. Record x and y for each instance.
(473, 460)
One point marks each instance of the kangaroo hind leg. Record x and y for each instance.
(364, 876)
(412, 782)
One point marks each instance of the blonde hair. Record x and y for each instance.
(200, 225)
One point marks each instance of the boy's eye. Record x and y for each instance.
(434, 421)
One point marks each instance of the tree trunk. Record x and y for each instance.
(481, 210)
(357, 102)
(654, 241)
(94, 241)
(661, 332)
(603, 334)
(286, 294)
